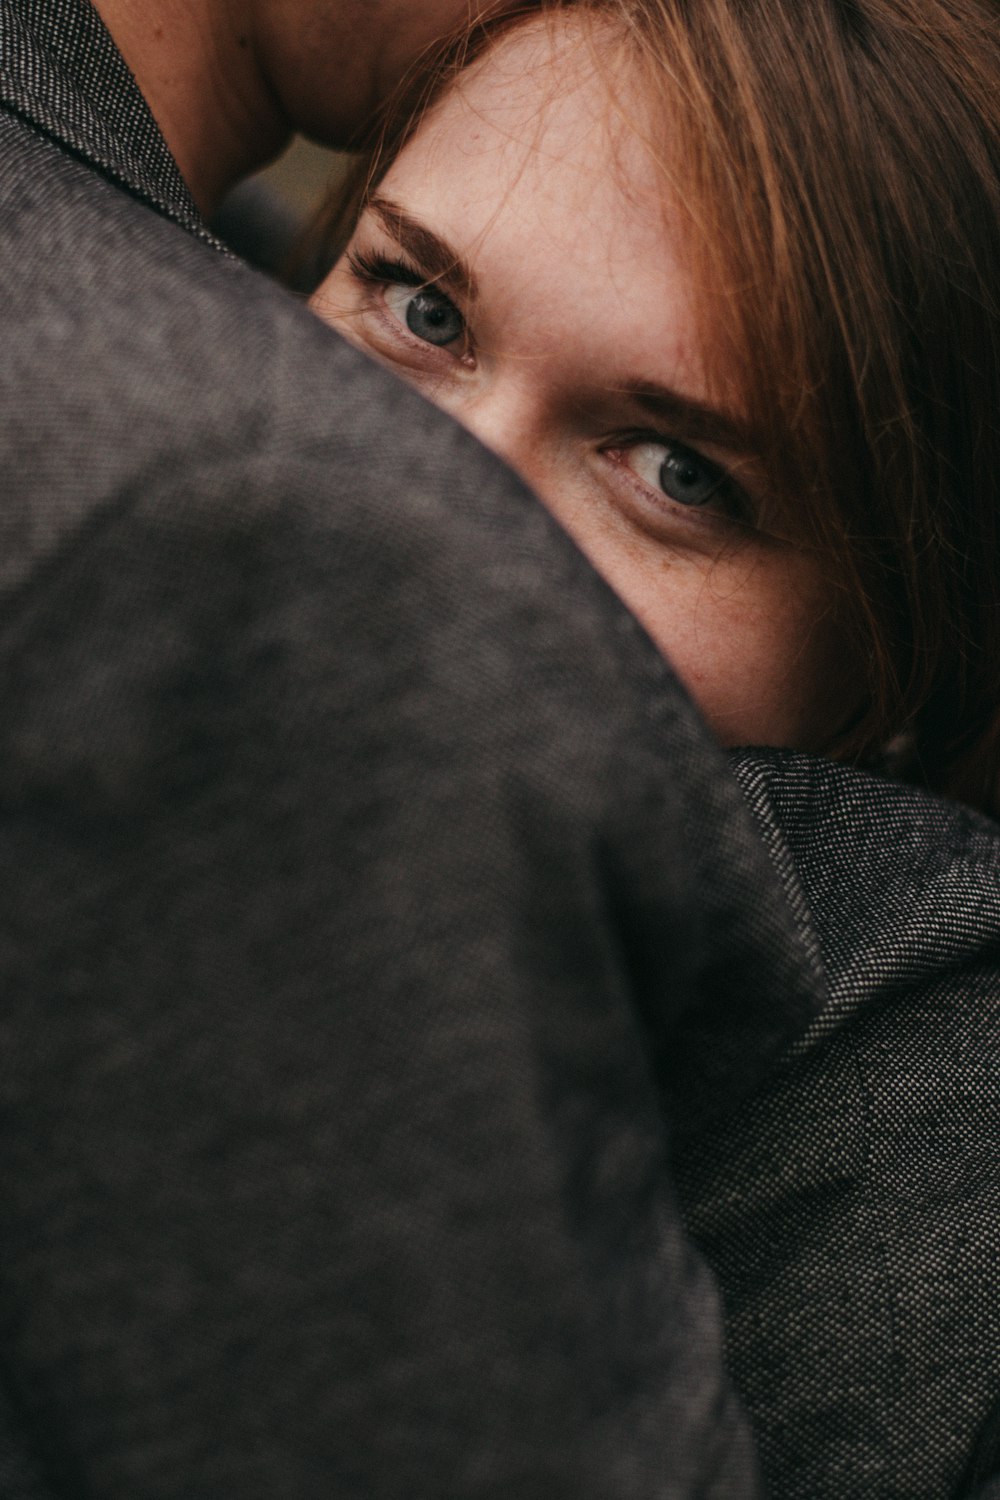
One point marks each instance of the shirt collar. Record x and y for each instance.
(61, 71)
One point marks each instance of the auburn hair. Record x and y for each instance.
(839, 161)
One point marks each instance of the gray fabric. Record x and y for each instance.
(377, 925)
(363, 923)
(852, 1207)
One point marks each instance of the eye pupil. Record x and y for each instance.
(688, 479)
(431, 316)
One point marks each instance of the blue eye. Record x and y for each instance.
(427, 313)
(688, 478)
(681, 473)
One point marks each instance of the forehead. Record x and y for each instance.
(540, 108)
(541, 161)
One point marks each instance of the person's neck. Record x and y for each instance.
(197, 67)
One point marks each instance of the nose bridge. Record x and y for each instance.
(508, 415)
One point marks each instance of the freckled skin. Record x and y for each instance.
(562, 218)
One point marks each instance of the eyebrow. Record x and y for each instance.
(695, 420)
(432, 255)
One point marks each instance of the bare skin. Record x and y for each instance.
(229, 80)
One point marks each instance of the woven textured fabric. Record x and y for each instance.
(852, 1209)
(60, 69)
(378, 923)
(372, 902)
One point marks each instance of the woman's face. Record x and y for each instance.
(519, 264)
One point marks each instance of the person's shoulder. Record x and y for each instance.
(80, 254)
(151, 384)
(136, 354)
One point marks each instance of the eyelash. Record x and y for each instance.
(377, 270)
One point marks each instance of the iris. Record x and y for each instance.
(433, 317)
(688, 478)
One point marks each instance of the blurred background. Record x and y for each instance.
(266, 215)
(301, 177)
